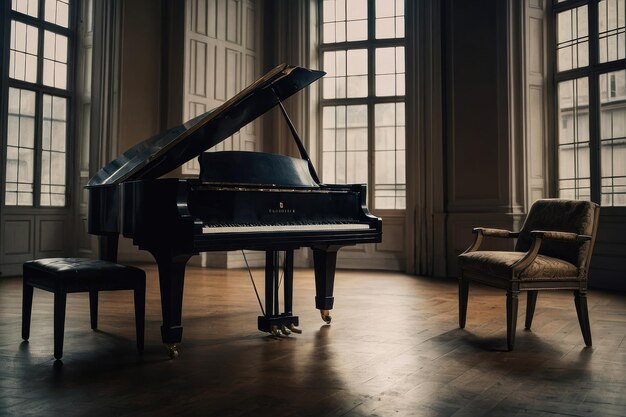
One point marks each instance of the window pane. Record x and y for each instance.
(390, 71)
(573, 139)
(389, 150)
(55, 60)
(613, 138)
(346, 74)
(29, 7)
(20, 159)
(57, 12)
(344, 144)
(612, 28)
(389, 19)
(344, 20)
(23, 52)
(53, 155)
(572, 41)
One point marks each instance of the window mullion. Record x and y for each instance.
(38, 147)
(38, 111)
(371, 49)
(5, 34)
(594, 103)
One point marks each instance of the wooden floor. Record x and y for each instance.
(393, 349)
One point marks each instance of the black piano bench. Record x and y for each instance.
(67, 275)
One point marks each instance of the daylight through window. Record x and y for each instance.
(363, 97)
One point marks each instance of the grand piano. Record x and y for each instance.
(241, 200)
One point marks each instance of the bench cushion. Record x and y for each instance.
(81, 274)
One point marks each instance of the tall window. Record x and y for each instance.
(590, 75)
(363, 97)
(38, 101)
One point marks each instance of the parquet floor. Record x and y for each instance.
(393, 349)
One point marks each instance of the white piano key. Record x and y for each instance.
(284, 228)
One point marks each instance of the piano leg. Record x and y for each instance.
(273, 321)
(171, 282)
(288, 281)
(108, 247)
(271, 283)
(324, 262)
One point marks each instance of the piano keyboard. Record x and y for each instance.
(284, 228)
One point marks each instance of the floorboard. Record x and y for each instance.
(393, 349)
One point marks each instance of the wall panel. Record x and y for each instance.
(230, 31)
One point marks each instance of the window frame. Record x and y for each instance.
(592, 72)
(7, 14)
(370, 44)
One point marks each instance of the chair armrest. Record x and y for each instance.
(486, 231)
(480, 232)
(538, 236)
(565, 236)
(529, 258)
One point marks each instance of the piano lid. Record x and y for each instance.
(166, 151)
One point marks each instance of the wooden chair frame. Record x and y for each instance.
(514, 285)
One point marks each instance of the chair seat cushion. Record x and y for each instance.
(81, 274)
(499, 263)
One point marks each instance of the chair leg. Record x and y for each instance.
(531, 301)
(93, 309)
(463, 295)
(580, 300)
(512, 300)
(27, 308)
(60, 299)
(140, 313)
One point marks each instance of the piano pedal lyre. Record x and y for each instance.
(273, 321)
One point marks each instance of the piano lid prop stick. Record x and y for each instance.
(294, 133)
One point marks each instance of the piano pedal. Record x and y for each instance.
(326, 316)
(294, 329)
(274, 331)
(280, 325)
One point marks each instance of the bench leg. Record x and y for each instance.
(93, 309)
(60, 299)
(140, 313)
(27, 307)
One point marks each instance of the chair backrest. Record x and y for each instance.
(574, 216)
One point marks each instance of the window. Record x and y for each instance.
(363, 98)
(590, 76)
(38, 102)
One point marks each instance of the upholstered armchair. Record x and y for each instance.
(552, 252)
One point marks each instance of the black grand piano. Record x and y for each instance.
(242, 200)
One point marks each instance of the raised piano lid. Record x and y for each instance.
(166, 151)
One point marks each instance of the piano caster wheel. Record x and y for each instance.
(326, 316)
(172, 351)
(294, 329)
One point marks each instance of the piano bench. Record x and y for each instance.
(68, 275)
